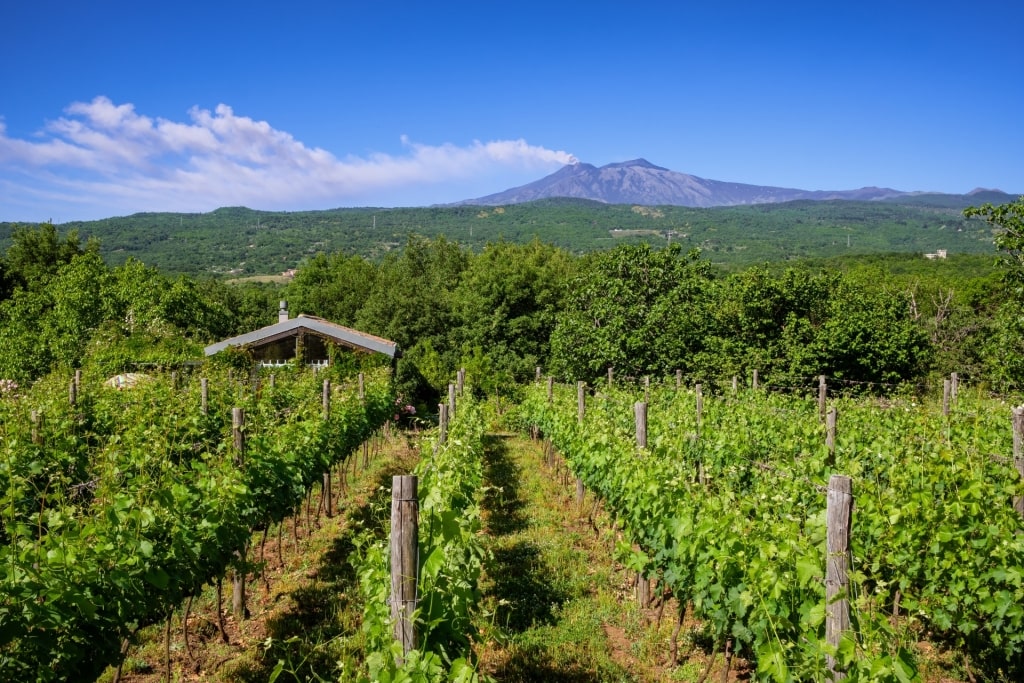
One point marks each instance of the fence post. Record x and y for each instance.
(822, 396)
(640, 413)
(326, 491)
(1018, 452)
(755, 379)
(700, 404)
(837, 605)
(581, 411)
(238, 573)
(442, 423)
(362, 387)
(609, 375)
(451, 400)
(404, 559)
(735, 384)
(954, 385)
(830, 434)
(946, 387)
(37, 425)
(73, 393)
(538, 373)
(679, 380)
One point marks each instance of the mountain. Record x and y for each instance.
(641, 182)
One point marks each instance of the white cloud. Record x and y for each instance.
(101, 154)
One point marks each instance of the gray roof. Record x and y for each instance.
(339, 333)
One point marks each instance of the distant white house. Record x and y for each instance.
(939, 253)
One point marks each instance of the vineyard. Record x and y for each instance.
(122, 506)
(721, 501)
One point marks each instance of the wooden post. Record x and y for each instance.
(735, 384)
(551, 389)
(273, 380)
(362, 387)
(837, 605)
(538, 373)
(640, 412)
(679, 380)
(755, 382)
(461, 381)
(442, 423)
(404, 559)
(451, 400)
(72, 393)
(78, 381)
(700, 403)
(581, 401)
(610, 377)
(954, 386)
(581, 411)
(326, 491)
(204, 394)
(37, 427)
(822, 396)
(1018, 452)
(830, 435)
(238, 573)
(946, 384)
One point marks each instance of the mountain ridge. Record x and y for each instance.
(638, 181)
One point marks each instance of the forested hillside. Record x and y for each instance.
(239, 241)
(507, 308)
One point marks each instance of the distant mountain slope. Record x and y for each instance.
(642, 183)
(236, 241)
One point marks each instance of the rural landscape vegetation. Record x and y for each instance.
(628, 423)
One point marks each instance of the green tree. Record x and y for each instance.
(36, 254)
(507, 302)
(333, 287)
(614, 315)
(1008, 221)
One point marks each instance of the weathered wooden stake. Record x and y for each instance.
(640, 412)
(954, 385)
(37, 427)
(610, 376)
(581, 401)
(1018, 452)
(837, 582)
(538, 373)
(581, 411)
(830, 434)
(442, 423)
(238, 573)
(460, 381)
(362, 387)
(451, 400)
(700, 403)
(946, 384)
(204, 394)
(755, 379)
(273, 380)
(327, 493)
(822, 396)
(404, 558)
(735, 383)
(72, 393)
(679, 380)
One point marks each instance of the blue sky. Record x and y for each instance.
(108, 108)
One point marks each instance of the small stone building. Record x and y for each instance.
(307, 337)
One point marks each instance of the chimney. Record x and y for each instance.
(282, 313)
